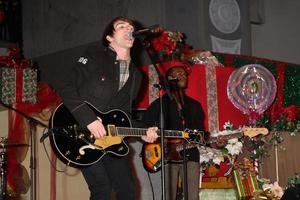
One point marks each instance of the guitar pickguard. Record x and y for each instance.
(108, 141)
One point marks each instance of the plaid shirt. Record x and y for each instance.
(124, 72)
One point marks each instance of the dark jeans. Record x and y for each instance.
(107, 175)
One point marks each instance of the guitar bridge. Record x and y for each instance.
(157, 165)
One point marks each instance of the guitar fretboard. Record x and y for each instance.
(127, 131)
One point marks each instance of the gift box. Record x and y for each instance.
(218, 176)
(7, 85)
(18, 80)
(245, 179)
(214, 182)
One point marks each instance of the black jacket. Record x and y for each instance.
(95, 79)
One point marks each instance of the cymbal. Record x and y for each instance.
(6, 145)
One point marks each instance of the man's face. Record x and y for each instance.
(120, 37)
(179, 74)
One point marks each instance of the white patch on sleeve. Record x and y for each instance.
(83, 60)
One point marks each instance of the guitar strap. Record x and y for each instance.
(178, 97)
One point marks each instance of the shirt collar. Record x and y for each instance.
(117, 58)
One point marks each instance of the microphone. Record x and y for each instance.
(151, 29)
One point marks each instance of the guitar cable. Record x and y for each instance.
(149, 178)
(151, 185)
(48, 156)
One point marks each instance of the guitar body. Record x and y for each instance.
(76, 147)
(151, 153)
(151, 156)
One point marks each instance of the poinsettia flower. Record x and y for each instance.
(218, 159)
(277, 190)
(210, 156)
(166, 42)
(291, 113)
(204, 159)
(234, 147)
(233, 141)
(228, 126)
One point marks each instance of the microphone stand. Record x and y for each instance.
(3, 171)
(185, 185)
(181, 115)
(163, 85)
(32, 122)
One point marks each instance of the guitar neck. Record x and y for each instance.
(179, 147)
(138, 132)
(227, 137)
(247, 131)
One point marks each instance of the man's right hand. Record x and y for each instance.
(97, 128)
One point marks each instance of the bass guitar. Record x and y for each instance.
(76, 146)
(151, 152)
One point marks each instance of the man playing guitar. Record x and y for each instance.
(180, 112)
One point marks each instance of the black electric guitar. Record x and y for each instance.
(76, 146)
(151, 152)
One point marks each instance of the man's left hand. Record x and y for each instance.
(151, 135)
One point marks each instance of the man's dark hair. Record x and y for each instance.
(109, 30)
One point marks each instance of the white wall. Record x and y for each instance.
(279, 37)
(3, 122)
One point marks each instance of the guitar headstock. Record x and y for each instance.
(252, 132)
